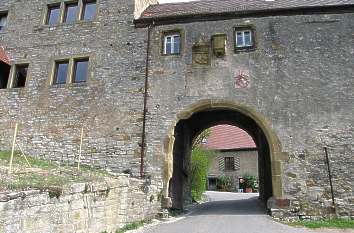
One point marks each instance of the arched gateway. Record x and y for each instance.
(208, 113)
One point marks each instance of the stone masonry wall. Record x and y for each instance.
(82, 208)
(108, 106)
(301, 81)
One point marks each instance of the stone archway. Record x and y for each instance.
(205, 114)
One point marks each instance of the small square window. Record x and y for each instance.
(80, 70)
(89, 11)
(71, 11)
(4, 75)
(20, 76)
(3, 22)
(244, 39)
(229, 164)
(53, 15)
(172, 44)
(61, 72)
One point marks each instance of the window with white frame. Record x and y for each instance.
(244, 39)
(3, 21)
(172, 44)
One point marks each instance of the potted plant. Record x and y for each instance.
(250, 182)
(224, 183)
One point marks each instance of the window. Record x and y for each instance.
(229, 164)
(89, 10)
(71, 11)
(20, 76)
(53, 15)
(80, 70)
(4, 75)
(172, 44)
(244, 39)
(3, 21)
(71, 70)
(61, 72)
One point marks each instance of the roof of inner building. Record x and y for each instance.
(227, 137)
(3, 56)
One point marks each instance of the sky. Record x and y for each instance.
(165, 1)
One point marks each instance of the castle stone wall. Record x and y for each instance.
(300, 79)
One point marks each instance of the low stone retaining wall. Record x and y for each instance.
(80, 208)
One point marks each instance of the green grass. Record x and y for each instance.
(42, 174)
(133, 226)
(328, 223)
(18, 159)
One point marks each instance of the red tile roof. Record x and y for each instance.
(224, 137)
(234, 6)
(3, 57)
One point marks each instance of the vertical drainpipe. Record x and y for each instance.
(143, 136)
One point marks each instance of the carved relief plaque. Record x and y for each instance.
(201, 53)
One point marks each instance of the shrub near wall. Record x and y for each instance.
(199, 170)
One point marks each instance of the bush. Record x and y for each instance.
(224, 183)
(250, 181)
(199, 171)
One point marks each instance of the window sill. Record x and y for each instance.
(244, 49)
(13, 89)
(62, 25)
(68, 85)
(80, 84)
(58, 86)
(172, 55)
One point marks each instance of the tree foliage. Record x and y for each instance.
(197, 142)
(199, 171)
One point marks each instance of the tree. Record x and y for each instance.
(199, 171)
(199, 139)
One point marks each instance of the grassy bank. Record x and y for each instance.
(132, 226)
(41, 174)
(328, 223)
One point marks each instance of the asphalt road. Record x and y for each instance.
(227, 213)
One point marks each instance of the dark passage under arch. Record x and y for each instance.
(187, 130)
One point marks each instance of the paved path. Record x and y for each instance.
(227, 213)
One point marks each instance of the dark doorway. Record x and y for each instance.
(187, 130)
(212, 183)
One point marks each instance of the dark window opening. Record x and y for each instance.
(71, 11)
(89, 10)
(61, 72)
(212, 184)
(80, 70)
(229, 164)
(53, 15)
(20, 76)
(4, 75)
(3, 21)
